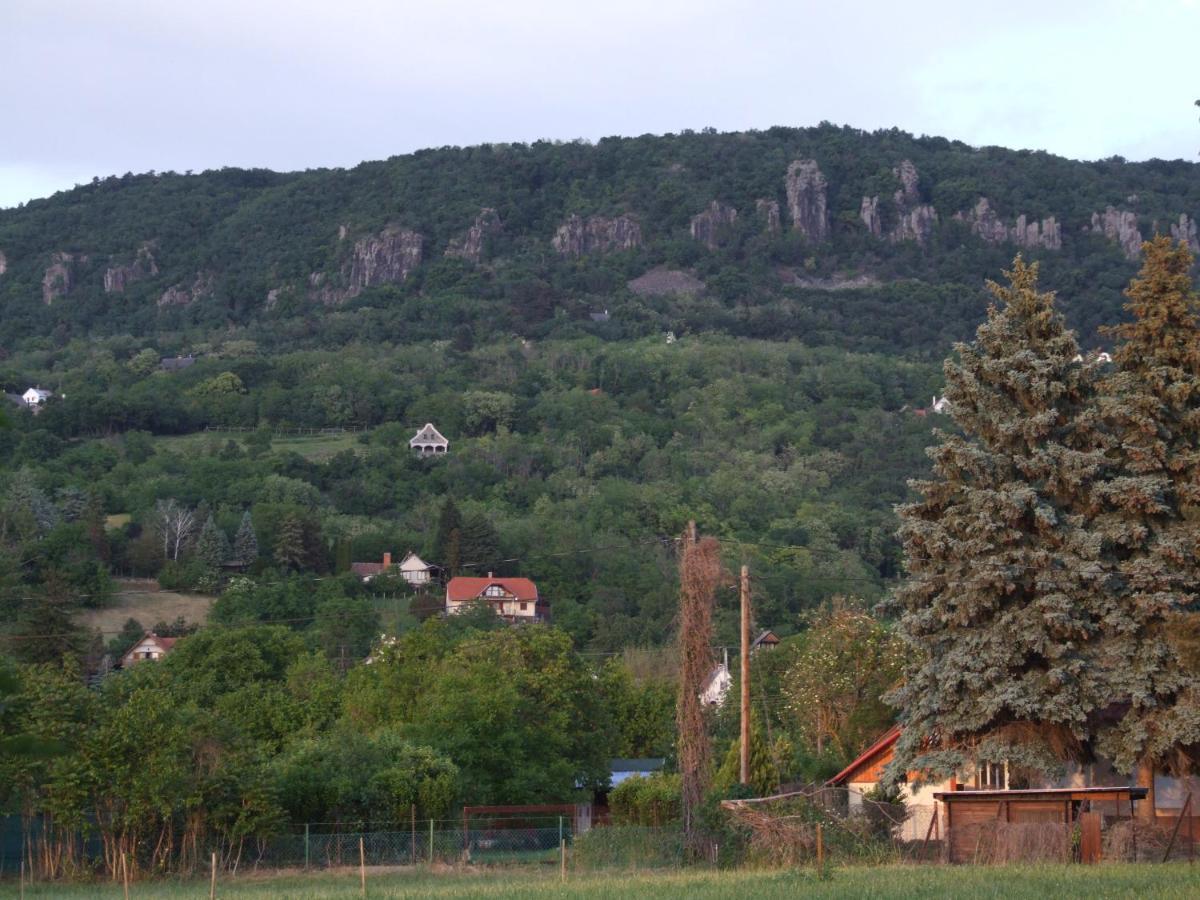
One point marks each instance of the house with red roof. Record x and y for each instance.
(148, 648)
(513, 599)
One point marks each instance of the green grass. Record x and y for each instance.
(315, 447)
(1175, 880)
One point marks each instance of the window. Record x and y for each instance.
(494, 590)
(991, 776)
(524, 606)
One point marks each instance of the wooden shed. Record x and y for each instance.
(974, 820)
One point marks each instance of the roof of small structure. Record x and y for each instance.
(366, 568)
(882, 745)
(166, 643)
(428, 435)
(462, 588)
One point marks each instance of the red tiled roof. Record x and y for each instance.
(365, 568)
(884, 742)
(461, 589)
(165, 642)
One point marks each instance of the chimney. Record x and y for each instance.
(387, 560)
(490, 575)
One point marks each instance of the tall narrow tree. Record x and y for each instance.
(245, 542)
(1000, 561)
(1150, 512)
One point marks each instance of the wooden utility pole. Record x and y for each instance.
(745, 732)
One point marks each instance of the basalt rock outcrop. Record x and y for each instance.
(3, 263)
(1031, 234)
(185, 295)
(807, 199)
(1119, 225)
(869, 213)
(59, 277)
(596, 234)
(711, 226)
(471, 245)
(1184, 231)
(385, 258)
(768, 210)
(914, 219)
(117, 278)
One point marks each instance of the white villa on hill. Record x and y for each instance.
(429, 441)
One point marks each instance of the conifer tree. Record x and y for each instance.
(1149, 508)
(447, 542)
(212, 547)
(1001, 564)
(479, 544)
(245, 542)
(290, 550)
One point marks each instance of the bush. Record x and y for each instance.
(653, 800)
(629, 846)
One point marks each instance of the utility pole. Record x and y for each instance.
(745, 735)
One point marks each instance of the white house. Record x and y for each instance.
(513, 599)
(940, 405)
(429, 441)
(415, 570)
(150, 647)
(36, 396)
(717, 684)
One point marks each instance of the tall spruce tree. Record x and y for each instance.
(290, 550)
(1150, 517)
(212, 547)
(1001, 562)
(245, 542)
(447, 541)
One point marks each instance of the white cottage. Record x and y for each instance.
(429, 441)
(150, 647)
(36, 396)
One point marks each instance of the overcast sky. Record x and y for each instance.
(100, 87)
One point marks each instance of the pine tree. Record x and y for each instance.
(479, 544)
(245, 542)
(447, 541)
(290, 550)
(1001, 564)
(1149, 508)
(212, 547)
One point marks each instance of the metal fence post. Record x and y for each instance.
(305, 846)
(431, 842)
(560, 829)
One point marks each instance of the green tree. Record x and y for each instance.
(245, 542)
(1150, 504)
(212, 546)
(479, 544)
(1002, 570)
(447, 541)
(290, 550)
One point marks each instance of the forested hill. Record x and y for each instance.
(830, 235)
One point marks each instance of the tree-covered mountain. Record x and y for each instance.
(835, 236)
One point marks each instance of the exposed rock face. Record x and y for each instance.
(869, 213)
(273, 297)
(908, 195)
(1121, 226)
(117, 278)
(1046, 234)
(3, 263)
(321, 291)
(1185, 231)
(662, 281)
(769, 210)
(915, 224)
(470, 246)
(709, 226)
(59, 278)
(596, 234)
(384, 258)
(342, 230)
(807, 200)
(181, 295)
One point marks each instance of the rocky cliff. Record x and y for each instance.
(808, 200)
(914, 220)
(1031, 234)
(117, 278)
(471, 245)
(59, 277)
(3, 263)
(1185, 231)
(596, 234)
(710, 226)
(869, 213)
(385, 258)
(1121, 226)
(185, 295)
(768, 210)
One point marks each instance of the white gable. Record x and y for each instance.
(413, 563)
(428, 435)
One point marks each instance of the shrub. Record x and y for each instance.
(652, 800)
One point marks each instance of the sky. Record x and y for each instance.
(102, 87)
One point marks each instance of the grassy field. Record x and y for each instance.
(1117, 880)
(315, 447)
(140, 598)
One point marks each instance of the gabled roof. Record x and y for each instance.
(411, 557)
(882, 745)
(366, 568)
(166, 643)
(462, 589)
(428, 435)
(767, 638)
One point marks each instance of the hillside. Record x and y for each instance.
(743, 233)
(521, 297)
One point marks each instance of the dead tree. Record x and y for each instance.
(699, 577)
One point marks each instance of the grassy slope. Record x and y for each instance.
(1146, 880)
(316, 447)
(139, 598)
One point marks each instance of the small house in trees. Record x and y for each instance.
(429, 441)
(716, 685)
(415, 570)
(767, 640)
(940, 405)
(366, 571)
(176, 363)
(150, 647)
(35, 397)
(513, 599)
